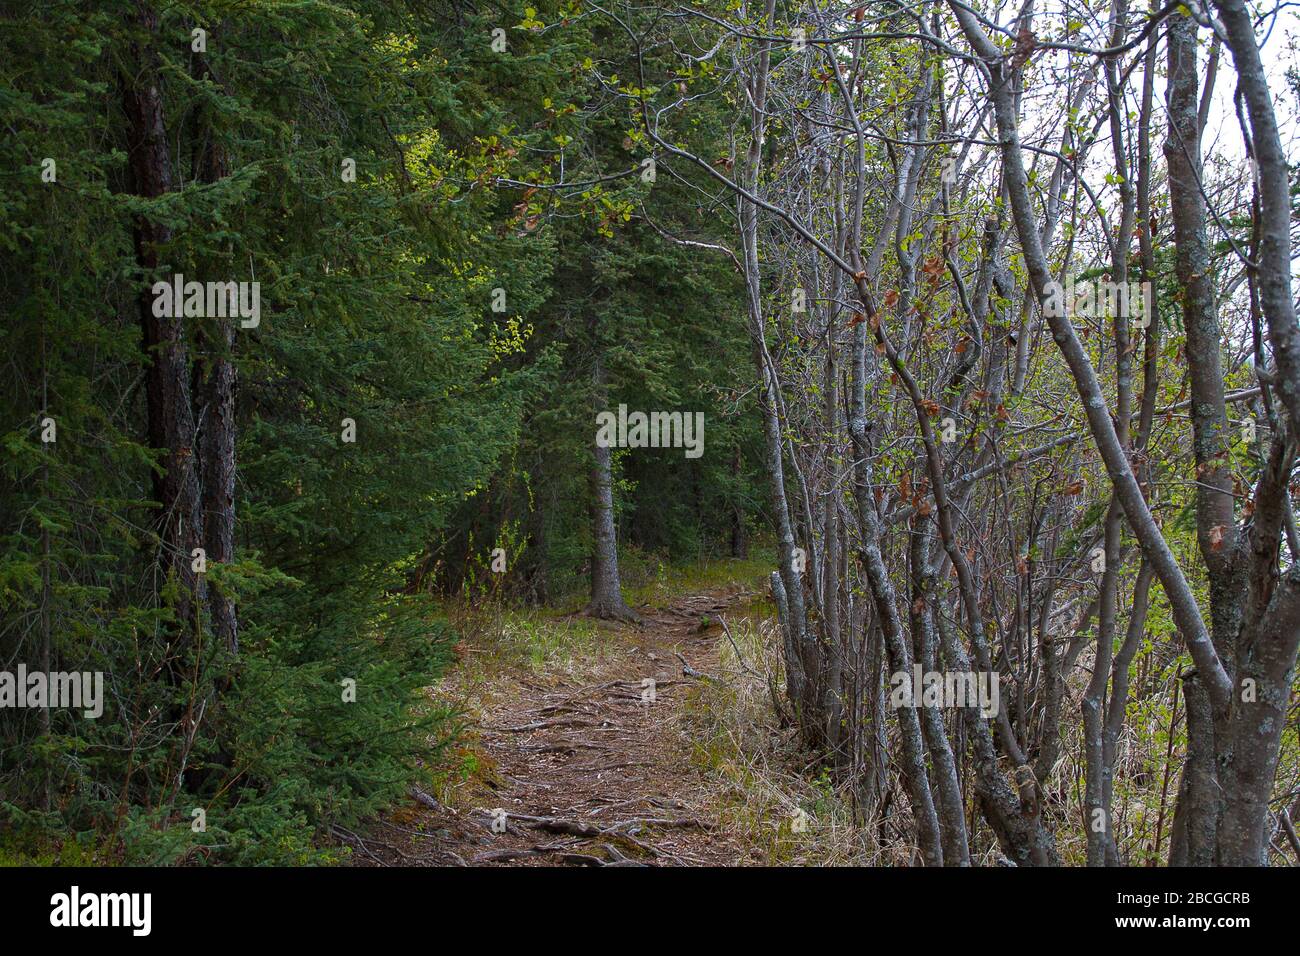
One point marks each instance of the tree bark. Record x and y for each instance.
(1273, 267)
(1186, 611)
(215, 384)
(167, 384)
(606, 587)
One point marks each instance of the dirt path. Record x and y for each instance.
(586, 767)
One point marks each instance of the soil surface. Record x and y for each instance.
(587, 766)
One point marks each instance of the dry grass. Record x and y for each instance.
(773, 807)
(760, 784)
(782, 809)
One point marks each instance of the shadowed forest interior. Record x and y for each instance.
(611, 433)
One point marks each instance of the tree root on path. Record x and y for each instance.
(539, 724)
(610, 611)
(589, 830)
(563, 748)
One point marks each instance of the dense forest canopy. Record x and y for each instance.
(321, 319)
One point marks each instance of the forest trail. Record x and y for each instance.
(588, 764)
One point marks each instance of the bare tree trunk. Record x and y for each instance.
(1266, 664)
(1013, 817)
(739, 538)
(886, 608)
(1099, 826)
(217, 444)
(1193, 836)
(606, 588)
(952, 810)
(1183, 603)
(167, 386)
(1254, 624)
(803, 688)
(831, 704)
(1216, 529)
(1273, 270)
(215, 394)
